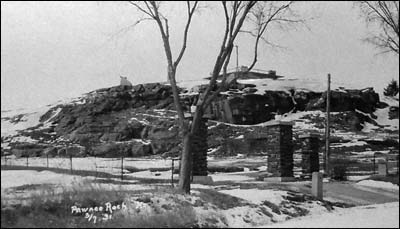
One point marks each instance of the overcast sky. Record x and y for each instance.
(55, 50)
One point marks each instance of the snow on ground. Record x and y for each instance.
(165, 175)
(357, 178)
(62, 182)
(192, 85)
(48, 122)
(368, 127)
(390, 100)
(370, 153)
(231, 176)
(234, 160)
(349, 144)
(300, 123)
(378, 184)
(257, 196)
(369, 216)
(307, 84)
(14, 178)
(23, 139)
(383, 119)
(285, 84)
(145, 122)
(212, 150)
(30, 119)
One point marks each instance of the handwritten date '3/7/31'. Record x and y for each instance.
(98, 213)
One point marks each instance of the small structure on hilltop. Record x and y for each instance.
(125, 82)
(242, 73)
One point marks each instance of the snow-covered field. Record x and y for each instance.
(370, 216)
(107, 165)
(240, 216)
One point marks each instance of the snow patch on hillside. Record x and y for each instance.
(28, 119)
(383, 119)
(287, 84)
(299, 121)
(390, 100)
(350, 144)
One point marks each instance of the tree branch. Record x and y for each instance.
(190, 11)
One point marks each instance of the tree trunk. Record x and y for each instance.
(186, 164)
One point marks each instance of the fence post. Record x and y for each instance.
(70, 159)
(47, 156)
(122, 168)
(374, 164)
(27, 160)
(172, 173)
(95, 164)
(316, 186)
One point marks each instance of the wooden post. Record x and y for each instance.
(374, 163)
(327, 128)
(95, 164)
(122, 168)
(172, 173)
(70, 160)
(27, 160)
(47, 156)
(237, 58)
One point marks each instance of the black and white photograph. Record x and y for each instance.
(199, 114)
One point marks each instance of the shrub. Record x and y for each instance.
(51, 209)
(339, 168)
(392, 89)
(339, 172)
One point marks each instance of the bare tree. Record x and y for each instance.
(385, 15)
(151, 9)
(236, 14)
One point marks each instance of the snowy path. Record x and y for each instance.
(370, 216)
(358, 194)
(347, 192)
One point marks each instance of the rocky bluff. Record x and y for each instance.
(140, 120)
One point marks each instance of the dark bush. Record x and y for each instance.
(392, 89)
(339, 172)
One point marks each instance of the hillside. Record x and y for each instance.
(140, 120)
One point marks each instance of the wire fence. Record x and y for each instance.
(128, 167)
(93, 166)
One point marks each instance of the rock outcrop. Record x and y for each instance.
(140, 120)
(250, 108)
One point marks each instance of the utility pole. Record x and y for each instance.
(237, 58)
(327, 130)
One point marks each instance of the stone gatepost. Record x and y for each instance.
(309, 153)
(199, 150)
(279, 148)
(199, 153)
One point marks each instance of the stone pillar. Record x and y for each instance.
(199, 151)
(280, 148)
(309, 153)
